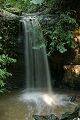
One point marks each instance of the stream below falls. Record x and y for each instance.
(21, 105)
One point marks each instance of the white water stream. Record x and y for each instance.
(37, 70)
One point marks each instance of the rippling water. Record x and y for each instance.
(22, 105)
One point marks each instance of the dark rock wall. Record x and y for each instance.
(9, 31)
(65, 68)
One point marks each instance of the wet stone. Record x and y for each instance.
(46, 117)
(71, 116)
(65, 116)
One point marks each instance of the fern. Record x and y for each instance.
(4, 74)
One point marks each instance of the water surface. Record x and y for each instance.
(22, 105)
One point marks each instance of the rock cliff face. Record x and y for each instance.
(65, 67)
(9, 24)
(72, 69)
(9, 32)
(72, 75)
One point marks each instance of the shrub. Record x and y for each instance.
(5, 61)
(61, 34)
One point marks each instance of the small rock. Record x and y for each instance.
(72, 98)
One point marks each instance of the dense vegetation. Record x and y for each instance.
(7, 51)
(59, 35)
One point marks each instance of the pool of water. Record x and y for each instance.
(22, 105)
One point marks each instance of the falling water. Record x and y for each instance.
(37, 71)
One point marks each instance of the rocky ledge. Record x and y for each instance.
(75, 115)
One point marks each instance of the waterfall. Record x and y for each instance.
(38, 96)
(36, 63)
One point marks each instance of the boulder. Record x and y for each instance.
(46, 117)
(72, 75)
(65, 116)
(71, 116)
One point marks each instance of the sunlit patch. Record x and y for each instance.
(77, 71)
(48, 99)
(43, 99)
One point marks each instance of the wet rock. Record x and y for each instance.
(46, 117)
(72, 76)
(72, 98)
(65, 116)
(71, 116)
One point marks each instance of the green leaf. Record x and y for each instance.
(2, 83)
(5, 60)
(0, 37)
(61, 48)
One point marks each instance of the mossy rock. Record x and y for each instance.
(15, 11)
(9, 29)
(7, 15)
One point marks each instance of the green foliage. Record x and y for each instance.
(9, 33)
(17, 5)
(5, 60)
(3, 75)
(61, 34)
(8, 48)
(2, 3)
